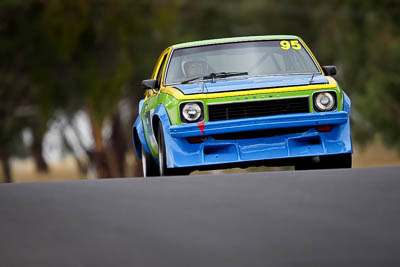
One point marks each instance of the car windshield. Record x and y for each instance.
(255, 58)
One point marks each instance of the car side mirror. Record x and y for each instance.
(329, 70)
(149, 84)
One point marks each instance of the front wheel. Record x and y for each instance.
(162, 157)
(148, 164)
(341, 161)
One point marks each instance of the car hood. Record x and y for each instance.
(248, 83)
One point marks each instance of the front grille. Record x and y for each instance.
(253, 109)
(259, 133)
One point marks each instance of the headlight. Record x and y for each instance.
(325, 101)
(192, 112)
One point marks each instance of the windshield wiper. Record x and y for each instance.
(215, 75)
(193, 79)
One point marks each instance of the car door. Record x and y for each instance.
(151, 104)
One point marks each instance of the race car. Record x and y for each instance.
(239, 102)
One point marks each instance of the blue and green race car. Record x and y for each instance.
(238, 102)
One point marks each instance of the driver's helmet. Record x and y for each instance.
(193, 67)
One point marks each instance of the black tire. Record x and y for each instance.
(150, 167)
(341, 161)
(304, 164)
(162, 157)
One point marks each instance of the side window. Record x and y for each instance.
(160, 70)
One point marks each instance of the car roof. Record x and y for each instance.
(233, 39)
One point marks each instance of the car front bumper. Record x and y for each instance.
(182, 153)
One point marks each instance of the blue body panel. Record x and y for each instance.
(181, 153)
(248, 83)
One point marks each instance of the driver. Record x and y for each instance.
(193, 68)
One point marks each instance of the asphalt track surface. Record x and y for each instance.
(304, 218)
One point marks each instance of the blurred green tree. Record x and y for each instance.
(62, 56)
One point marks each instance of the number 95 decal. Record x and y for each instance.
(286, 45)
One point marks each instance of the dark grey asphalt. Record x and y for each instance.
(308, 218)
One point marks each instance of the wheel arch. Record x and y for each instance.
(138, 137)
(159, 115)
(346, 102)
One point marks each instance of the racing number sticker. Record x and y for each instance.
(285, 45)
